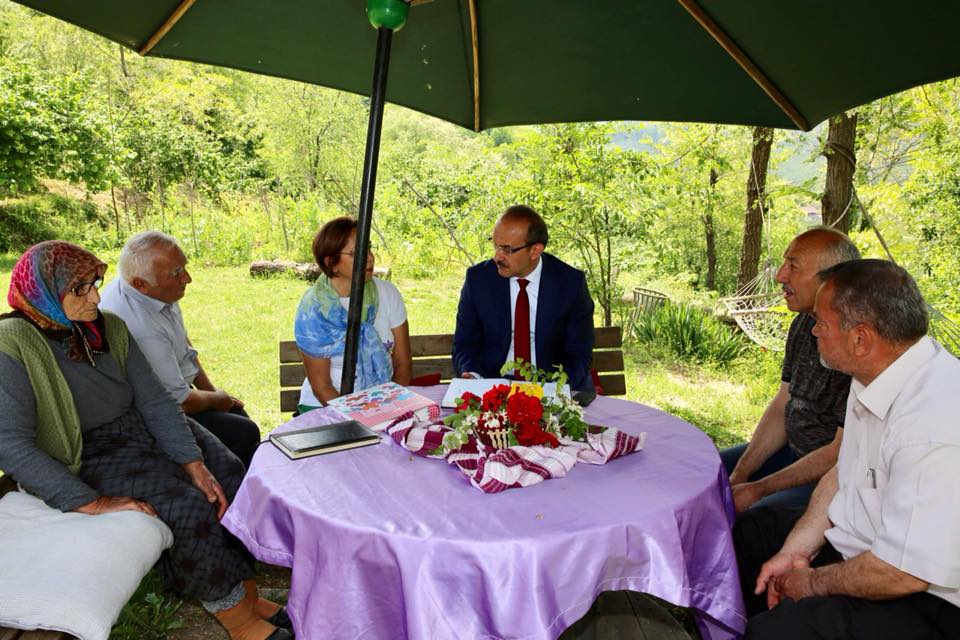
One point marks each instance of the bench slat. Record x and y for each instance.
(607, 361)
(607, 338)
(614, 384)
(289, 399)
(289, 352)
(425, 366)
(431, 345)
(292, 375)
(38, 634)
(431, 354)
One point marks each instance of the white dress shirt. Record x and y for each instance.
(158, 328)
(533, 289)
(898, 469)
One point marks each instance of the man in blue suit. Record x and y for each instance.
(554, 325)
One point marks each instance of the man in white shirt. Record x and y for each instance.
(876, 553)
(153, 278)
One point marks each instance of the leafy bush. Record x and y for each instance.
(27, 221)
(690, 334)
(150, 614)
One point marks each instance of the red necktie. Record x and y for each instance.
(521, 324)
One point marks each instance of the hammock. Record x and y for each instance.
(758, 309)
(941, 328)
(760, 313)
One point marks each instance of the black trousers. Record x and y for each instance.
(235, 429)
(759, 533)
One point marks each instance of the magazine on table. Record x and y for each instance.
(325, 438)
(479, 386)
(378, 406)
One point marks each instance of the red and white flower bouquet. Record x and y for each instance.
(515, 435)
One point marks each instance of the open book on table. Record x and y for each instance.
(479, 386)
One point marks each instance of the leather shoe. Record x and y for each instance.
(281, 620)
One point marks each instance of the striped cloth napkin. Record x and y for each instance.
(493, 471)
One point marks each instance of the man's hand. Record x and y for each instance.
(746, 494)
(796, 584)
(737, 478)
(469, 375)
(203, 480)
(237, 403)
(109, 504)
(221, 400)
(779, 565)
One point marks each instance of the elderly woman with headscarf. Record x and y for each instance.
(320, 326)
(86, 426)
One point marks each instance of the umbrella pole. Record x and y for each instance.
(367, 189)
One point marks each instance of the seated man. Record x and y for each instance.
(153, 277)
(875, 556)
(797, 438)
(524, 304)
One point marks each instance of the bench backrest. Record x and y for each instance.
(431, 354)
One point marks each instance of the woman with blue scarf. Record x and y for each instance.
(321, 323)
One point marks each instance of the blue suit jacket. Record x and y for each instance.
(563, 330)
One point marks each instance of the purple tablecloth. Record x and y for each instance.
(384, 544)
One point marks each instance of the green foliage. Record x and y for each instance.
(691, 335)
(46, 130)
(150, 614)
(26, 221)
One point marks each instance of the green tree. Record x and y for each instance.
(48, 130)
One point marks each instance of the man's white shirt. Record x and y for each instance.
(533, 291)
(898, 469)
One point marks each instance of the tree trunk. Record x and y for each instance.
(283, 227)
(116, 211)
(756, 197)
(710, 233)
(841, 163)
(193, 218)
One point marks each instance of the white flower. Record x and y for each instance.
(492, 420)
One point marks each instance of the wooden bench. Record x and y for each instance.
(19, 634)
(431, 354)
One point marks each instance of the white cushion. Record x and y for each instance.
(69, 571)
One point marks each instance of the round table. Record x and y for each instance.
(385, 544)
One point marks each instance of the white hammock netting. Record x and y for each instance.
(945, 331)
(759, 311)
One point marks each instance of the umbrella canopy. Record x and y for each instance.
(490, 63)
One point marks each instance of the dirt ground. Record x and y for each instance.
(273, 583)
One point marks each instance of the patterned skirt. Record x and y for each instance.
(122, 458)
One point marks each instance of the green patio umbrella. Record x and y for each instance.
(491, 63)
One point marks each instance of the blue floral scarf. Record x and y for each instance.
(320, 329)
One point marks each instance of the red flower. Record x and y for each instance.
(524, 410)
(530, 435)
(494, 398)
(466, 401)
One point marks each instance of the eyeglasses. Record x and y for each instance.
(83, 288)
(373, 249)
(506, 249)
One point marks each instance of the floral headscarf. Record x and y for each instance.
(43, 275)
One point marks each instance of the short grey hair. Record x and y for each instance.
(136, 258)
(880, 294)
(837, 246)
